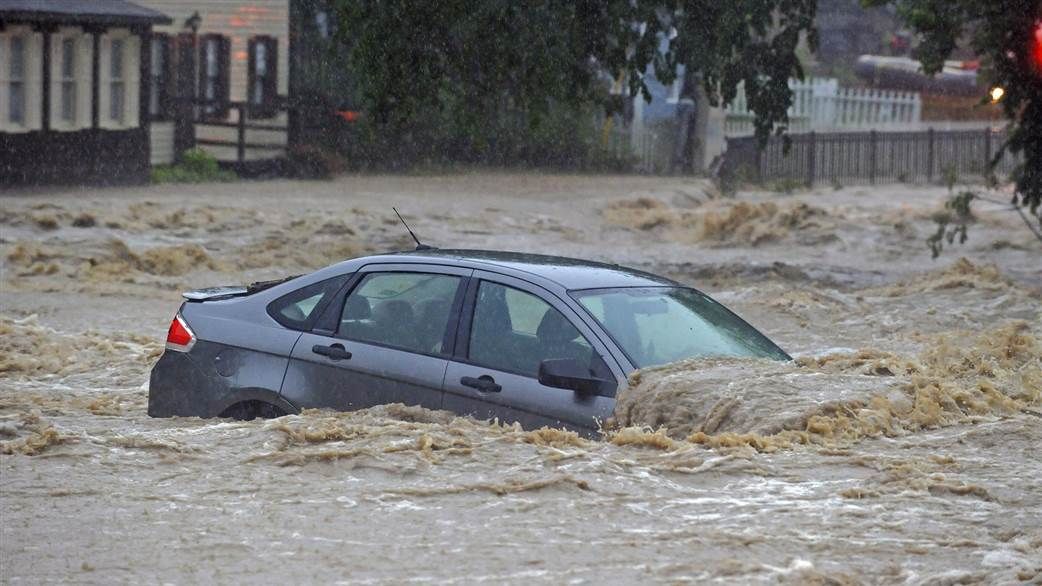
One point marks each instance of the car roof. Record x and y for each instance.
(569, 273)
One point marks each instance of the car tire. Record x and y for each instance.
(250, 410)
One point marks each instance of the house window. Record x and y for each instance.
(213, 73)
(120, 83)
(159, 98)
(71, 61)
(21, 79)
(16, 81)
(263, 77)
(117, 83)
(71, 71)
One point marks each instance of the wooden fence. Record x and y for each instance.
(245, 144)
(866, 157)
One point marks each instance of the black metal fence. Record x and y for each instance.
(866, 157)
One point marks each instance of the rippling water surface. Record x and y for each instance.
(900, 447)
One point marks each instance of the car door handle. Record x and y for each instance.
(484, 383)
(333, 351)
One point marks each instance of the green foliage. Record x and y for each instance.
(499, 81)
(952, 222)
(314, 162)
(565, 137)
(950, 176)
(196, 166)
(744, 174)
(729, 43)
(1000, 32)
(787, 185)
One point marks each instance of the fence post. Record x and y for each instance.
(872, 139)
(812, 159)
(929, 154)
(759, 159)
(987, 150)
(240, 147)
(184, 126)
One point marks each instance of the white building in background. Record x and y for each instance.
(72, 90)
(224, 53)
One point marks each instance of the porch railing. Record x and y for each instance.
(194, 117)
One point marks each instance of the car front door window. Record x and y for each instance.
(514, 331)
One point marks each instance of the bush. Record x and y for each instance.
(313, 162)
(196, 166)
(463, 133)
(786, 185)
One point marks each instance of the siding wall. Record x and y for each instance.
(238, 20)
(91, 155)
(162, 141)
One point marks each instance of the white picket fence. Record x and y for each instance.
(821, 105)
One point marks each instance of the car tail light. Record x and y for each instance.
(179, 337)
(1035, 50)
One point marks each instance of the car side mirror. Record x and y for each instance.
(568, 373)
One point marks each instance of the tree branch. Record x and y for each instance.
(1016, 208)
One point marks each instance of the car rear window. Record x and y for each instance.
(299, 309)
(410, 311)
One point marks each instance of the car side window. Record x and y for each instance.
(405, 310)
(295, 310)
(514, 331)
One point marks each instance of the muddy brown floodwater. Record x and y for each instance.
(901, 446)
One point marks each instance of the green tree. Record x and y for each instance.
(1005, 34)
(473, 61)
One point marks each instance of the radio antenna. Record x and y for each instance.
(419, 245)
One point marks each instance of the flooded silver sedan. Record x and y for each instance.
(900, 445)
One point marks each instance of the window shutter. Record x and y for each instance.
(34, 81)
(251, 76)
(201, 73)
(84, 79)
(166, 105)
(3, 79)
(132, 75)
(224, 61)
(104, 77)
(56, 83)
(271, 80)
(3, 75)
(185, 61)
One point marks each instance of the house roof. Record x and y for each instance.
(104, 12)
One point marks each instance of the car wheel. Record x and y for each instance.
(250, 410)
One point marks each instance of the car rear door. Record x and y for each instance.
(385, 340)
(507, 328)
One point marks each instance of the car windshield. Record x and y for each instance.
(658, 325)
